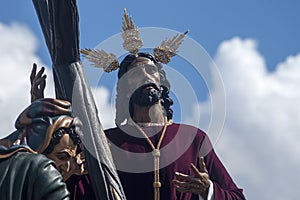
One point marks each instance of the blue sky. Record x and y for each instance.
(256, 48)
(275, 24)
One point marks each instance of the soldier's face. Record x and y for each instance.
(64, 156)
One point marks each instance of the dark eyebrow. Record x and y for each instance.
(63, 153)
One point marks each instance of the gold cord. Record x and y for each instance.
(156, 155)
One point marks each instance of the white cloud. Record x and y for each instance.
(17, 54)
(260, 140)
(106, 108)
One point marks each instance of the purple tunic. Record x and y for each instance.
(181, 145)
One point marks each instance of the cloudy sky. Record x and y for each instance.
(255, 46)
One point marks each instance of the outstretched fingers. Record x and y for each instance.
(186, 183)
(33, 72)
(198, 183)
(202, 165)
(38, 83)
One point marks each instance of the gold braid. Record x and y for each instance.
(156, 155)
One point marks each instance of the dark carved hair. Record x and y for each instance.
(57, 135)
(121, 110)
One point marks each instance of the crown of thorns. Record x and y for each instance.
(132, 43)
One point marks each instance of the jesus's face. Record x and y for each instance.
(143, 82)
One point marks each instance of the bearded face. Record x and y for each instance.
(143, 81)
(146, 95)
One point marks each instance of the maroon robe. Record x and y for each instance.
(80, 188)
(181, 145)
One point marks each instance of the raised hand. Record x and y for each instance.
(38, 83)
(198, 184)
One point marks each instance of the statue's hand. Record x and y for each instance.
(38, 83)
(198, 184)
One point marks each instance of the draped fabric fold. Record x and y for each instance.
(59, 22)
